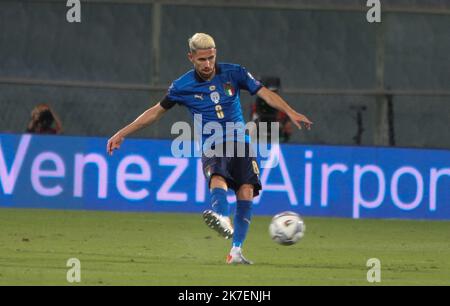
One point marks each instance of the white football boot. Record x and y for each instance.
(219, 223)
(236, 257)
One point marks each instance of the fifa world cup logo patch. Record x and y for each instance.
(229, 89)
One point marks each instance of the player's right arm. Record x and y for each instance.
(145, 119)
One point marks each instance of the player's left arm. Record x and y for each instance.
(277, 102)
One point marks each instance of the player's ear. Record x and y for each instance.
(190, 57)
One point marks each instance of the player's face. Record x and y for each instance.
(204, 62)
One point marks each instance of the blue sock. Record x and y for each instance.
(241, 222)
(219, 202)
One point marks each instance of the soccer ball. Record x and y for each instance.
(287, 228)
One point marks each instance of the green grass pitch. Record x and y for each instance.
(179, 249)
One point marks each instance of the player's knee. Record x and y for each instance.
(218, 181)
(245, 192)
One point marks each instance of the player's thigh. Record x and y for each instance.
(216, 172)
(246, 176)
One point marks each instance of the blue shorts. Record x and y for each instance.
(235, 170)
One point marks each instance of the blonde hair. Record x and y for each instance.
(201, 41)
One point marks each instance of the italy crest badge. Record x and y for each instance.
(229, 89)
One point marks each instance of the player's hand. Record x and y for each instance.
(114, 143)
(299, 119)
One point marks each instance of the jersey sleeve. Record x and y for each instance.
(166, 103)
(172, 97)
(247, 81)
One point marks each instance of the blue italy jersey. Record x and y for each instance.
(217, 100)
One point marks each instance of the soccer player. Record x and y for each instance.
(212, 90)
